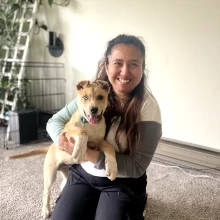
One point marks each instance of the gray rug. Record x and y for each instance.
(173, 195)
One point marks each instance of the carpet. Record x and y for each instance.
(173, 195)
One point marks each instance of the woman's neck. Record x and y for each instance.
(121, 101)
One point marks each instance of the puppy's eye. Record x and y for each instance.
(85, 97)
(100, 97)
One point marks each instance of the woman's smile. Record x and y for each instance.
(124, 81)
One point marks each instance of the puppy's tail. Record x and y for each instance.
(30, 153)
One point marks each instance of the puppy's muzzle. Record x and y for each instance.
(93, 118)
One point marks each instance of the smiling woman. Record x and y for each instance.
(133, 129)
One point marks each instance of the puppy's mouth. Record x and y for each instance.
(93, 118)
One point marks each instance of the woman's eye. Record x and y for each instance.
(85, 97)
(117, 64)
(100, 97)
(133, 64)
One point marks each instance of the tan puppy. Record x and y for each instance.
(87, 124)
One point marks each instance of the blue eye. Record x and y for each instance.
(85, 97)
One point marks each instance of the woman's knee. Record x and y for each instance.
(74, 200)
(113, 205)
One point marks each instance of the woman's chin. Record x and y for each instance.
(122, 92)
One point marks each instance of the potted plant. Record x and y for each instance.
(12, 86)
(23, 119)
(13, 97)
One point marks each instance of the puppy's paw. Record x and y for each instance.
(46, 212)
(111, 168)
(80, 147)
(79, 155)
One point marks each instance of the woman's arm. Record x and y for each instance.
(56, 124)
(134, 164)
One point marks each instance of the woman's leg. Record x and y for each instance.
(139, 198)
(114, 203)
(138, 206)
(124, 199)
(78, 200)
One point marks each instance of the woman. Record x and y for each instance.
(133, 129)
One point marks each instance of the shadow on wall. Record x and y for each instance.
(55, 18)
(75, 5)
(72, 78)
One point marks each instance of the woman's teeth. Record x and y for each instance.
(124, 80)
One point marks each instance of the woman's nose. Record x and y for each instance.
(124, 69)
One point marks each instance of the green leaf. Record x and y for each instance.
(15, 7)
(50, 2)
(44, 27)
(25, 80)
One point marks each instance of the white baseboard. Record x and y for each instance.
(187, 144)
(188, 154)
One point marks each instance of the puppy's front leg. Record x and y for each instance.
(111, 169)
(80, 145)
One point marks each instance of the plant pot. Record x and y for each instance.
(23, 125)
(43, 118)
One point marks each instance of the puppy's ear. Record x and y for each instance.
(82, 84)
(103, 84)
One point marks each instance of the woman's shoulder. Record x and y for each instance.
(150, 110)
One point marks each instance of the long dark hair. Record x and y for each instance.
(130, 114)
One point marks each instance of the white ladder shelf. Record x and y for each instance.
(20, 52)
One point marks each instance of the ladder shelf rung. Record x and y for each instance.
(6, 102)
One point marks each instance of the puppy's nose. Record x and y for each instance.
(94, 110)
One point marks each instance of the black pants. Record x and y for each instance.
(87, 197)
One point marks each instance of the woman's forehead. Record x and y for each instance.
(125, 52)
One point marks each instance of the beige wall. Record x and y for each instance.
(182, 38)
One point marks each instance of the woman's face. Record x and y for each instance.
(124, 69)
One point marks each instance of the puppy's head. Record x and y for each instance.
(92, 99)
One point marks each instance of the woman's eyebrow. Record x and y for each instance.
(121, 60)
(137, 61)
(118, 60)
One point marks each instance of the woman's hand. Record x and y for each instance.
(91, 155)
(66, 144)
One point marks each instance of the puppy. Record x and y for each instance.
(87, 125)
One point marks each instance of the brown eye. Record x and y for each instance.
(133, 64)
(118, 64)
(100, 97)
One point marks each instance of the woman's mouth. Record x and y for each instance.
(124, 81)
